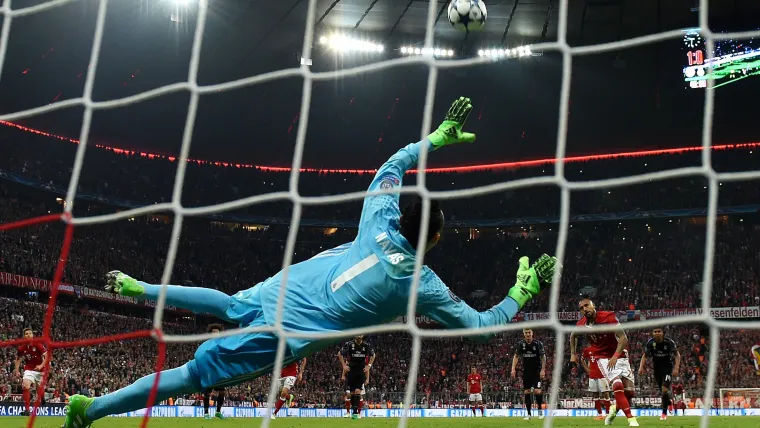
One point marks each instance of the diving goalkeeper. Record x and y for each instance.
(362, 283)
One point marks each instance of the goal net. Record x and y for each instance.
(10, 14)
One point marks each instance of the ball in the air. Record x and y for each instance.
(468, 15)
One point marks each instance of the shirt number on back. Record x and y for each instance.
(354, 271)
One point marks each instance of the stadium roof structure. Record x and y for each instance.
(624, 100)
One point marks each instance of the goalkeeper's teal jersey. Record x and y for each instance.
(367, 282)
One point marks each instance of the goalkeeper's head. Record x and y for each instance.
(411, 219)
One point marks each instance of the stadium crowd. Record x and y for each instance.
(143, 180)
(653, 263)
(444, 363)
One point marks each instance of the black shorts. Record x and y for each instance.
(532, 379)
(208, 391)
(355, 380)
(663, 377)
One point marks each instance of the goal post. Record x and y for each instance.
(736, 398)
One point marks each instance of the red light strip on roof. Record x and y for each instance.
(472, 168)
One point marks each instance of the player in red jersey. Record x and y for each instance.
(597, 383)
(34, 356)
(610, 348)
(679, 398)
(475, 388)
(289, 376)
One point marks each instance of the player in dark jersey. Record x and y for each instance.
(666, 361)
(534, 369)
(356, 358)
(213, 328)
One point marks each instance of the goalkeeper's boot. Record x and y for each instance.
(611, 415)
(355, 416)
(123, 284)
(207, 416)
(76, 412)
(219, 415)
(532, 279)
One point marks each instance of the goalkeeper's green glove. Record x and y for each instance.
(450, 131)
(532, 279)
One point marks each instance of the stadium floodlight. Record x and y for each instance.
(436, 52)
(519, 51)
(342, 43)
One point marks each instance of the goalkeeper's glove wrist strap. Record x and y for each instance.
(436, 140)
(519, 295)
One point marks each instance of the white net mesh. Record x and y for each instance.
(298, 201)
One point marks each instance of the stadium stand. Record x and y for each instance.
(654, 261)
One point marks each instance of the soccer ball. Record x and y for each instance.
(467, 15)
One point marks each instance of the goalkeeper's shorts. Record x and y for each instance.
(231, 360)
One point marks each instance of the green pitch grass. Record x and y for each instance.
(673, 422)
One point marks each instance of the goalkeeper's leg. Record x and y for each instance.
(83, 410)
(219, 362)
(197, 299)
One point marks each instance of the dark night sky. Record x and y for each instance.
(638, 102)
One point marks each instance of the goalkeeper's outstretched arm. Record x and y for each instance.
(442, 305)
(384, 208)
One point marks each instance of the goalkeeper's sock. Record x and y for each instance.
(197, 299)
(355, 404)
(174, 382)
(206, 403)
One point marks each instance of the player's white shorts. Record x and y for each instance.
(476, 397)
(33, 376)
(348, 391)
(622, 369)
(287, 382)
(598, 385)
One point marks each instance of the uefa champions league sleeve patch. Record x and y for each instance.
(454, 297)
(389, 181)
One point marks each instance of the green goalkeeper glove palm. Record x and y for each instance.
(450, 131)
(532, 279)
